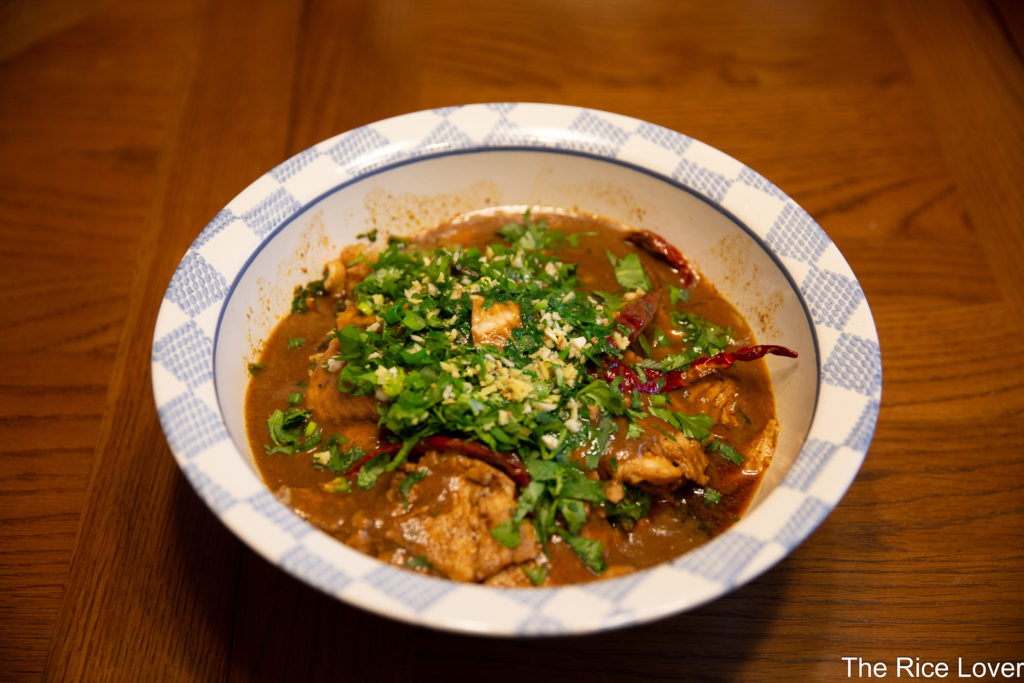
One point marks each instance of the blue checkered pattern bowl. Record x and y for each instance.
(399, 175)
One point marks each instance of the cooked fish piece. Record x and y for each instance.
(493, 325)
(759, 452)
(719, 397)
(665, 462)
(450, 516)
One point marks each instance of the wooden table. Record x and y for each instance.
(125, 126)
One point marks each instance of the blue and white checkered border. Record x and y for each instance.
(836, 444)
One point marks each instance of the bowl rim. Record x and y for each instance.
(803, 499)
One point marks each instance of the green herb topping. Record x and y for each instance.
(303, 294)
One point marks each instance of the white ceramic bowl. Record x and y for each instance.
(764, 253)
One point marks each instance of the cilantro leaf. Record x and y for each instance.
(536, 575)
(337, 485)
(409, 481)
(419, 561)
(675, 295)
(371, 470)
(290, 431)
(711, 496)
(611, 299)
(528, 500)
(605, 428)
(589, 551)
(692, 426)
(507, 534)
(723, 449)
(629, 272)
(703, 336)
(303, 293)
(340, 462)
(634, 506)
(573, 513)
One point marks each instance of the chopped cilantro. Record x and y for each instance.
(409, 481)
(507, 534)
(573, 513)
(340, 461)
(255, 368)
(303, 293)
(723, 449)
(611, 299)
(692, 426)
(533, 235)
(591, 552)
(296, 342)
(337, 485)
(634, 506)
(711, 496)
(420, 561)
(629, 272)
(291, 431)
(675, 295)
(536, 575)
(605, 428)
(295, 398)
(371, 470)
(657, 400)
(703, 336)
(645, 345)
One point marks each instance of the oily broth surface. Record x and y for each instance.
(673, 526)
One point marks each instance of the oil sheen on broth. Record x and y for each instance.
(513, 399)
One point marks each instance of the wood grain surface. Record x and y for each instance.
(125, 126)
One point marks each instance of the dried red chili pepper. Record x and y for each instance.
(636, 315)
(657, 245)
(658, 382)
(507, 462)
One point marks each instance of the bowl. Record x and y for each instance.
(761, 250)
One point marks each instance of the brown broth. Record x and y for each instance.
(679, 520)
